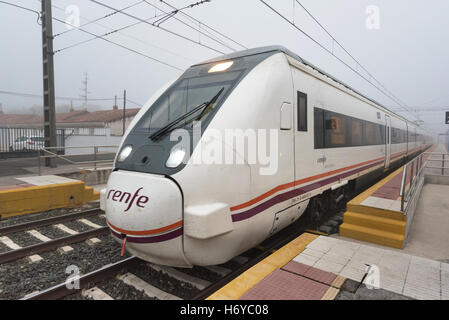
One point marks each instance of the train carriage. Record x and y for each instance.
(317, 135)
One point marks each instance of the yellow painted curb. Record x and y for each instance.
(330, 294)
(14, 202)
(240, 285)
(338, 282)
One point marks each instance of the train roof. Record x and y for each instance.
(283, 49)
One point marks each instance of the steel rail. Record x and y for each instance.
(49, 245)
(62, 290)
(48, 221)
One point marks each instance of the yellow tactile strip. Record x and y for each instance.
(364, 195)
(240, 285)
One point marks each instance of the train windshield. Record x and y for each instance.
(187, 94)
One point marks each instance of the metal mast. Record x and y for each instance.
(49, 80)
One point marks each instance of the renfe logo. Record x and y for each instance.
(125, 197)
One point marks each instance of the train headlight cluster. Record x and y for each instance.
(176, 157)
(126, 151)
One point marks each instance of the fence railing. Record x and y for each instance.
(16, 142)
(98, 152)
(413, 171)
(443, 158)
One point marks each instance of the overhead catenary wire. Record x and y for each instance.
(118, 30)
(336, 57)
(155, 26)
(347, 52)
(32, 95)
(122, 34)
(121, 46)
(175, 11)
(101, 18)
(207, 26)
(24, 8)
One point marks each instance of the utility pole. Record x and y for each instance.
(124, 111)
(85, 92)
(48, 80)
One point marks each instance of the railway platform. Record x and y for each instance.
(62, 187)
(384, 213)
(392, 245)
(326, 268)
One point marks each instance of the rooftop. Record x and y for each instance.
(81, 116)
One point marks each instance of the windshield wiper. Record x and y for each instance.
(170, 125)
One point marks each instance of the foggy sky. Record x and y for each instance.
(409, 53)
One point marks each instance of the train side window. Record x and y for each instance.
(302, 111)
(356, 132)
(369, 133)
(335, 130)
(318, 115)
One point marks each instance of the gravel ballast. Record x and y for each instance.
(44, 215)
(24, 239)
(119, 290)
(52, 232)
(4, 248)
(165, 282)
(77, 226)
(20, 277)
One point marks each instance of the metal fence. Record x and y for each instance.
(413, 171)
(410, 176)
(101, 156)
(25, 142)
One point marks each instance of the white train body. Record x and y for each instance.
(205, 214)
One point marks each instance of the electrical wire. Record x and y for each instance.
(336, 57)
(31, 95)
(101, 18)
(172, 14)
(209, 27)
(24, 8)
(348, 53)
(123, 34)
(162, 28)
(120, 45)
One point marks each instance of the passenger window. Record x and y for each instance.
(319, 128)
(335, 130)
(356, 133)
(369, 133)
(302, 111)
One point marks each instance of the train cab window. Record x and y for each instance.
(302, 111)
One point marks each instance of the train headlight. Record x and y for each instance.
(176, 157)
(126, 151)
(220, 67)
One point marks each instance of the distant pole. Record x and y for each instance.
(48, 80)
(124, 111)
(85, 91)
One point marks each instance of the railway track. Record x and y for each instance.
(132, 278)
(46, 243)
(125, 272)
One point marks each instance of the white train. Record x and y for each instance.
(168, 209)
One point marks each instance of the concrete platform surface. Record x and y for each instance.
(394, 271)
(328, 268)
(429, 232)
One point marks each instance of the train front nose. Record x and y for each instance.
(146, 209)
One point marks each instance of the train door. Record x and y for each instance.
(407, 149)
(387, 141)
